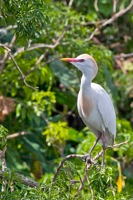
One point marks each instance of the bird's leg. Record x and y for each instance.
(87, 157)
(104, 147)
(98, 138)
(103, 155)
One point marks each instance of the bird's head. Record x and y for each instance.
(85, 63)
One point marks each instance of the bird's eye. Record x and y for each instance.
(81, 60)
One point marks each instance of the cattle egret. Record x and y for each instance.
(94, 104)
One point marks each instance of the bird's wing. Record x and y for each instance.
(106, 110)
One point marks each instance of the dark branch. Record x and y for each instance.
(81, 157)
(19, 177)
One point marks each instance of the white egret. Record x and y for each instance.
(94, 104)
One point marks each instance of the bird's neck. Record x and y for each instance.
(85, 82)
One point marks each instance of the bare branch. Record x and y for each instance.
(70, 3)
(8, 28)
(37, 62)
(19, 177)
(3, 61)
(41, 57)
(114, 5)
(93, 23)
(119, 144)
(4, 167)
(119, 14)
(92, 34)
(123, 55)
(96, 5)
(63, 161)
(18, 68)
(112, 19)
(12, 136)
(2, 156)
(109, 147)
(81, 157)
(82, 182)
(36, 67)
(92, 193)
(41, 45)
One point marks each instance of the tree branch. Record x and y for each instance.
(63, 161)
(70, 3)
(123, 55)
(41, 45)
(3, 163)
(14, 135)
(114, 5)
(40, 58)
(96, 5)
(18, 68)
(3, 61)
(112, 19)
(19, 178)
(81, 157)
(2, 156)
(110, 147)
(8, 28)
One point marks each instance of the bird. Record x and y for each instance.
(94, 104)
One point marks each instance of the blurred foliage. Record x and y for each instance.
(3, 135)
(30, 16)
(46, 31)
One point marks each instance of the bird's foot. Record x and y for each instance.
(87, 158)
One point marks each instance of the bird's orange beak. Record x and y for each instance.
(72, 60)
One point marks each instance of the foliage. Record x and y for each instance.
(3, 134)
(39, 33)
(30, 17)
(56, 132)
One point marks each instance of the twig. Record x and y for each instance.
(118, 14)
(12, 136)
(92, 193)
(2, 156)
(109, 21)
(70, 3)
(19, 177)
(88, 165)
(63, 161)
(41, 57)
(45, 119)
(36, 67)
(18, 68)
(114, 5)
(119, 144)
(109, 147)
(41, 45)
(93, 23)
(8, 28)
(82, 182)
(123, 55)
(3, 61)
(3, 163)
(96, 5)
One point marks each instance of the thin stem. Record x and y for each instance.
(18, 68)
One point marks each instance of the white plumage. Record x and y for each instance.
(94, 104)
(101, 115)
